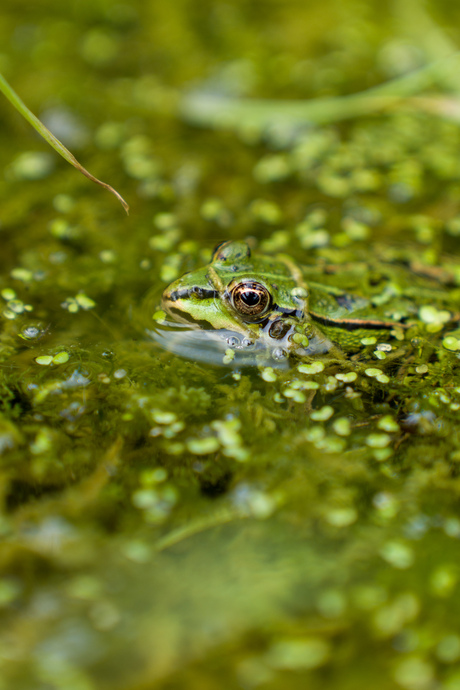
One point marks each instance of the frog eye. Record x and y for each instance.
(231, 251)
(250, 298)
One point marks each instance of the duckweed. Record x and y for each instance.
(398, 554)
(451, 343)
(22, 274)
(342, 427)
(229, 356)
(203, 446)
(44, 360)
(313, 368)
(61, 358)
(388, 423)
(373, 373)
(342, 517)
(347, 378)
(378, 440)
(323, 414)
(268, 374)
(298, 654)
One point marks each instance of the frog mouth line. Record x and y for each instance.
(181, 317)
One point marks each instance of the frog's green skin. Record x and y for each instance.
(288, 310)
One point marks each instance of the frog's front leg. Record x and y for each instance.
(309, 340)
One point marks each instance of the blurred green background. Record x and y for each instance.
(136, 553)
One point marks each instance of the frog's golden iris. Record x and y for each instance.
(250, 299)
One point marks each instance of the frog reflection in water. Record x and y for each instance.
(257, 308)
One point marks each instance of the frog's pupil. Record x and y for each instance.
(250, 298)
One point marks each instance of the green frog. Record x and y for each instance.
(247, 308)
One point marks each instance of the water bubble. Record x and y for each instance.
(247, 342)
(31, 332)
(279, 354)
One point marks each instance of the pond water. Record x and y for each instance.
(169, 524)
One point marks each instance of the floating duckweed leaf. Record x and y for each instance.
(323, 414)
(300, 339)
(31, 165)
(342, 517)
(315, 434)
(84, 301)
(22, 274)
(347, 378)
(203, 446)
(44, 360)
(17, 306)
(397, 333)
(421, 369)
(388, 423)
(107, 256)
(266, 211)
(295, 395)
(415, 672)
(227, 431)
(238, 453)
(372, 372)
(310, 385)
(61, 358)
(8, 294)
(377, 374)
(443, 580)
(268, 374)
(314, 368)
(9, 591)
(378, 440)
(430, 315)
(382, 454)
(451, 343)
(298, 653)
(229, 356)
(342, 426)
(398, 554)
(163, 417)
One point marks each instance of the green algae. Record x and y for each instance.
(166, 524)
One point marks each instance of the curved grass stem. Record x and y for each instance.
(53, 141)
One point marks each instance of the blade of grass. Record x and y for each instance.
(53, 141)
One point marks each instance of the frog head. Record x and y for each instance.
(242, 302)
